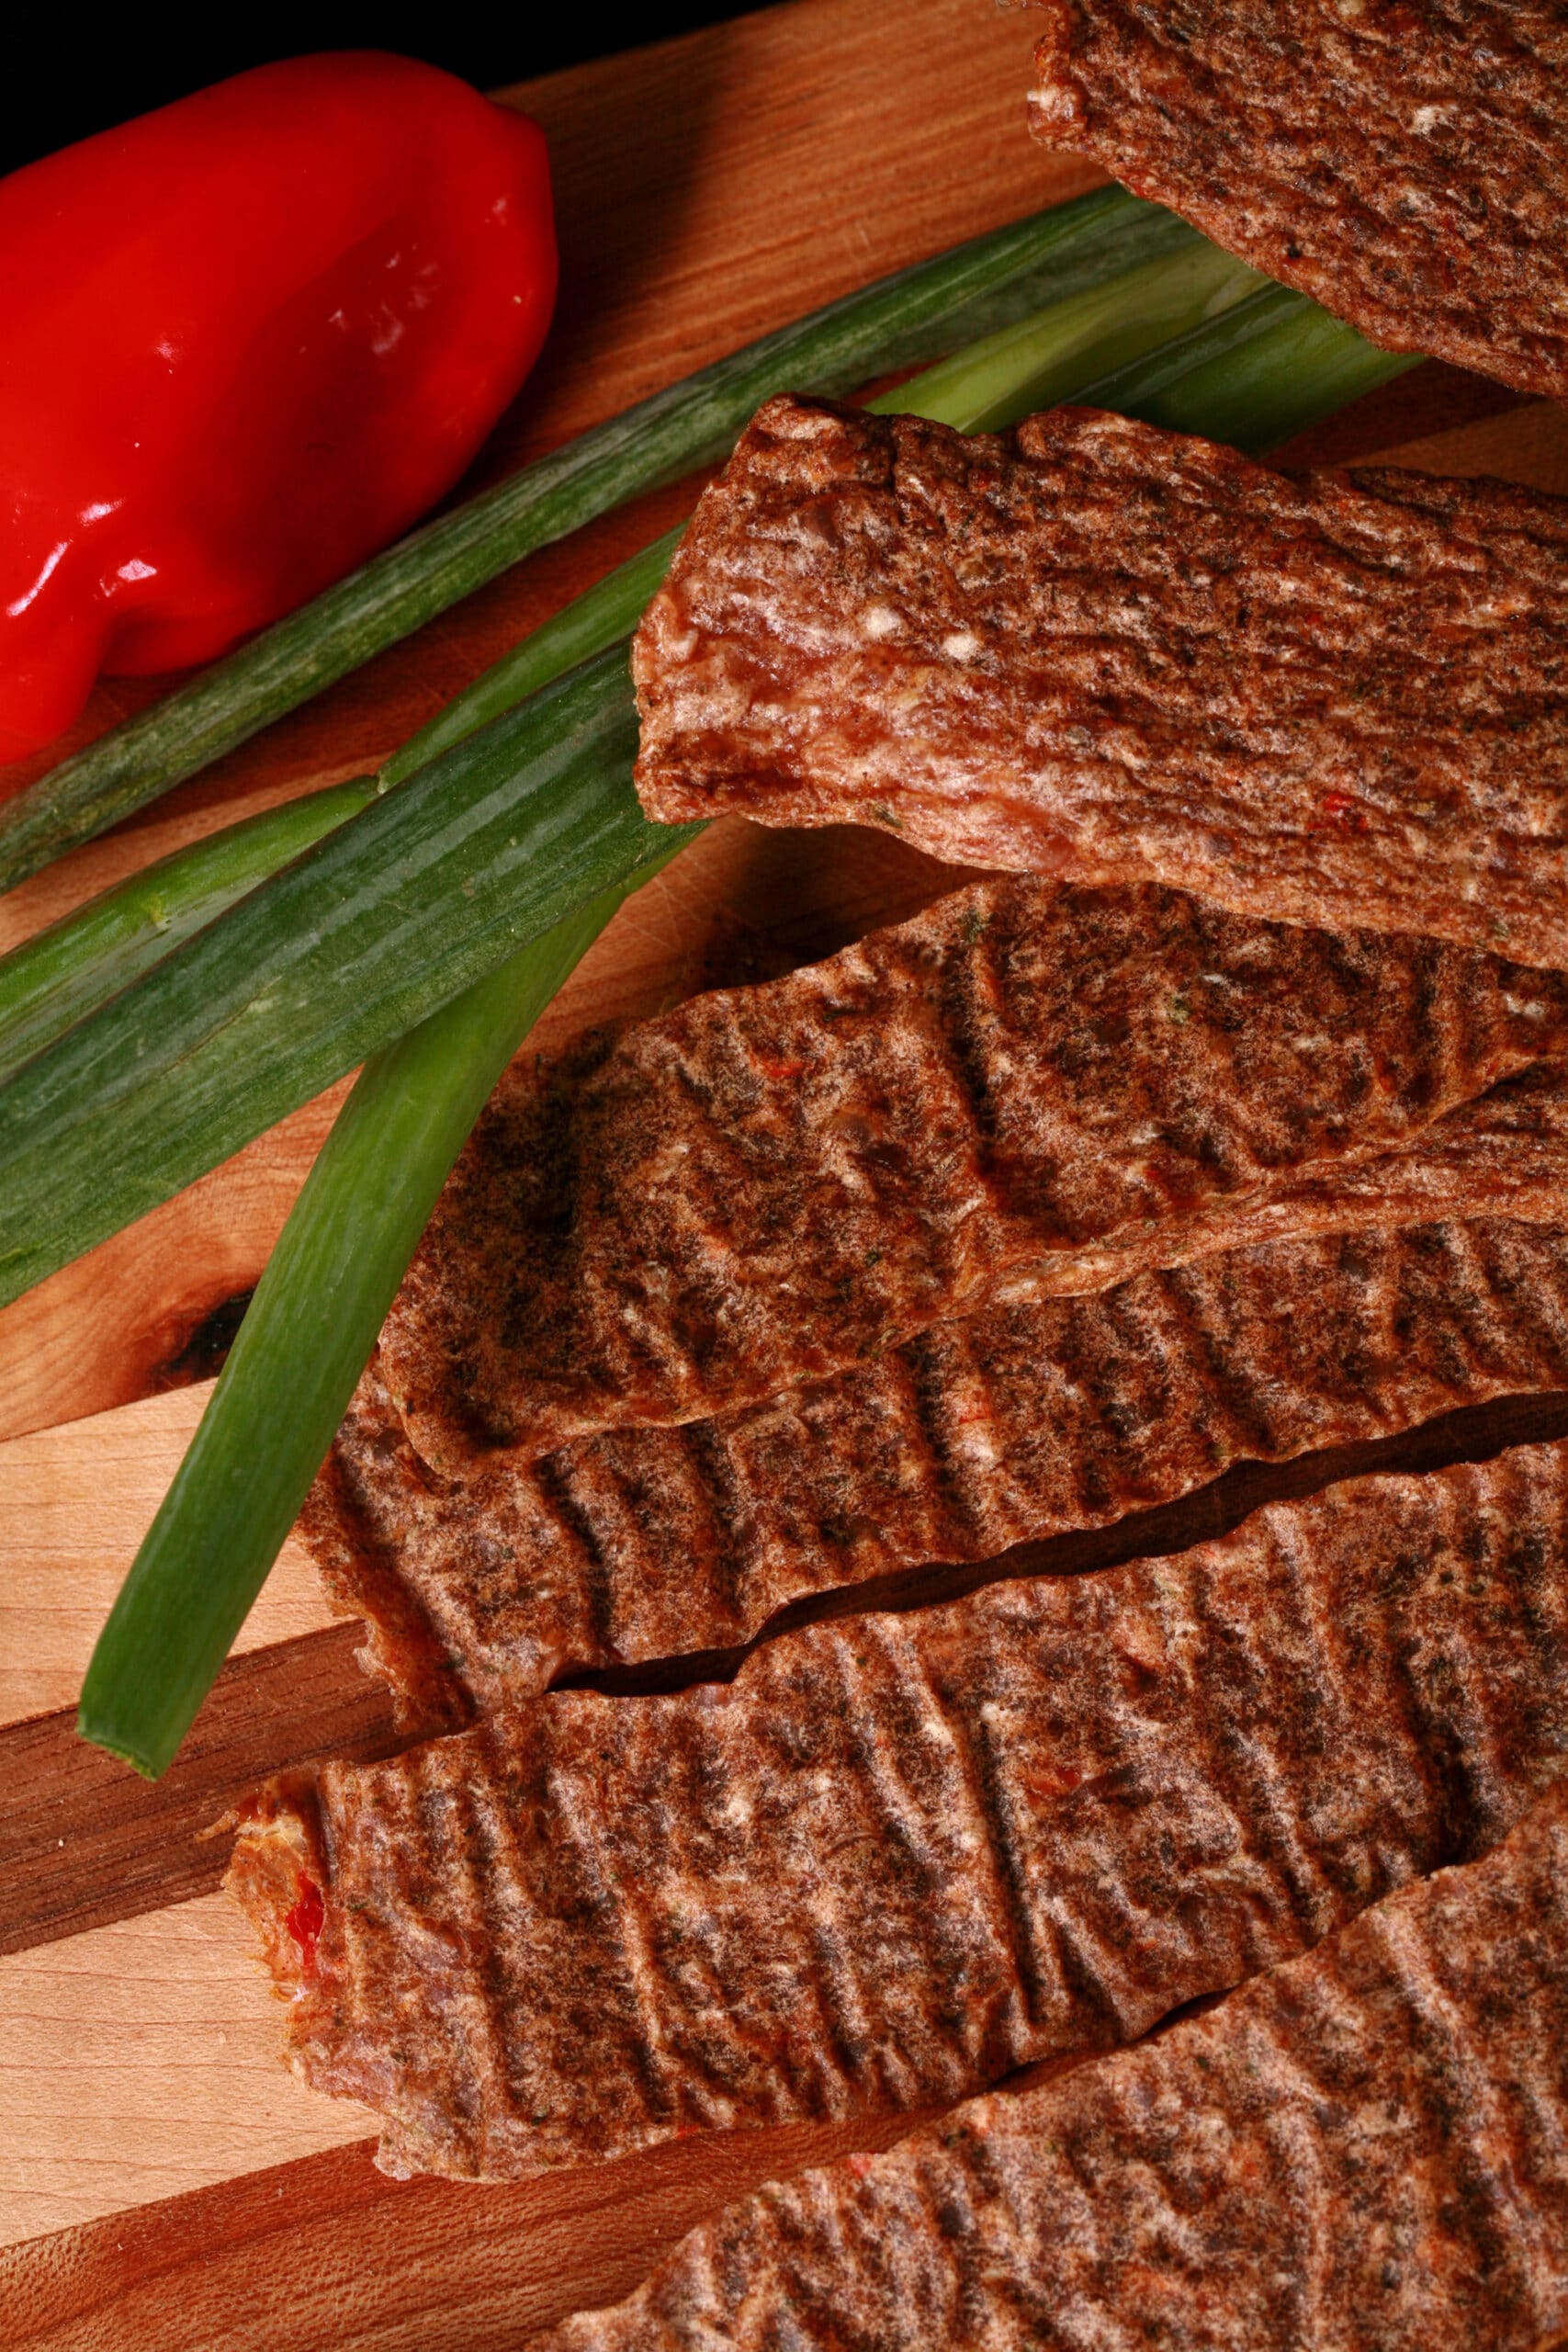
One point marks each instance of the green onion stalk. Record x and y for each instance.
(1270, 368)
(51, 979)
(326, 1290)
(50, 982)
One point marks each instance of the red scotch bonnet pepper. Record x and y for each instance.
(244, 342)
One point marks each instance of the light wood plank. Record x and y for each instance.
(78, 1502)
(84, 1841)
(141, 2061)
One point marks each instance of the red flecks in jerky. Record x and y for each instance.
(1143, 657)
(1339, 809)
(305, 1922)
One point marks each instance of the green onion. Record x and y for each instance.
(609, 610)
(51, 981)
(152, 1667)
(1264, 371)
(969, 290)
(1047, 358)
(365, 935)
(52, 978)
(301, 1347)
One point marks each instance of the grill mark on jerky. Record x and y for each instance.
(562, 1483)
(1175, 1319)
(1537, 1314)
(968, 1000)
(1328, 699)
(1404, 165)
(916, 1372)
(747, 1194)
(1361, 2149)
(702, 1445)
(462, 1841)
(798, 1895)
(1006, 1844)
(1337, 1673)
(1086, 1409)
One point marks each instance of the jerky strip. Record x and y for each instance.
(1359, 2152)
(1014, 1424)
(900, 1856)
(1093, 649)
(769, 1184)
(1407, 165)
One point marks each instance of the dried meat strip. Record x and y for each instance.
(1018, 1423)
(1093, 649)
(901, 1856)
(769, 1184)
(1404, 161)
(1360, 2152)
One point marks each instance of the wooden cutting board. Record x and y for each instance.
(164, 2183)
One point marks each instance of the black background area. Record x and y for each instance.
(70, 72)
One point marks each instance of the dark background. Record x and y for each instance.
(70, 72)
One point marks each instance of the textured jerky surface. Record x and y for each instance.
(1404, 161)
(1095, 649)
(900, 1856)
(1017, 1422)
(1360, 2152)
(769, 1184)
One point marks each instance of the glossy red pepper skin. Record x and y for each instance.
(244, 342)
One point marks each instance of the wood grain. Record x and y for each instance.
(325, 2255)
(1528, 445)
(142, 2058)
(78, 1502)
